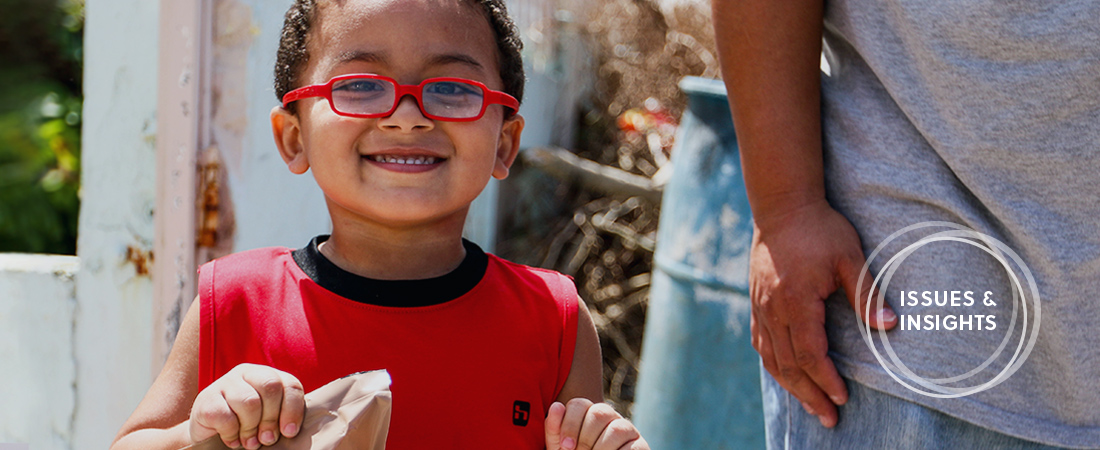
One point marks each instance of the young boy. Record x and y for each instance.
(396, 107)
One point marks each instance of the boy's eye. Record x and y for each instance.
(360, 86)
(451, 88)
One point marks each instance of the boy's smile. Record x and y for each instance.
(403, 170)
(407, 160)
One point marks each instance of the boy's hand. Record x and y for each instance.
(582, 425)
(249, 406)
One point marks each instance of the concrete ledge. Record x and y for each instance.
(38, 376)
(60, 265)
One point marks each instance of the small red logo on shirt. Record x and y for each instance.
(521, 413)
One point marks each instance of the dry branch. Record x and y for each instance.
(564, 165)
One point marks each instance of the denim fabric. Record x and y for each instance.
(874, 420)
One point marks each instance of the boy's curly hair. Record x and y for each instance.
(293, 55)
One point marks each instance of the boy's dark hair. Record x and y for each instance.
(293, 55)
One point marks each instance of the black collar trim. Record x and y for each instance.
(392, 293)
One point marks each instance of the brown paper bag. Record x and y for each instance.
(350, 413)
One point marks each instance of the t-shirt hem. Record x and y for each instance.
(976, 413)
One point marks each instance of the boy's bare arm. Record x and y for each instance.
(586, 375)
(802, 249)
(249, 406)
(579, 419)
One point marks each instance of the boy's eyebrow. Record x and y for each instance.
(435, 60)
(452, 58)
(360, 56)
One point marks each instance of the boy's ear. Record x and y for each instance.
(508, 145)
(288, 137)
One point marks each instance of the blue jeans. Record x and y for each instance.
(873, 420)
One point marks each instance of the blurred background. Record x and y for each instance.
(41, 56)
(602, 108)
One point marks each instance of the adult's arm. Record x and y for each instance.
(802, 249)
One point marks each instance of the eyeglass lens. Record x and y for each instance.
(451, 99)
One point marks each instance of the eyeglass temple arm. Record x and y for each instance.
(317, 90)
(503, 99)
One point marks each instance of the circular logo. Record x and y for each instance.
(936, 387)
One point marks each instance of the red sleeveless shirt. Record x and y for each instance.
(480, 370)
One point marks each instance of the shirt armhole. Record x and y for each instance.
(565, 294)
(207, 321)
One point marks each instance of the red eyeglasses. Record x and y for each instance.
(372, 96)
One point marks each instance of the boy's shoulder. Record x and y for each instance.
(523, 268)
(253, 258)
(255, 265)
(515, 274)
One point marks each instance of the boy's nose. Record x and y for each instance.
(407, 117)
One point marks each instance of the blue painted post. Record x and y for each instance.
(699, 382)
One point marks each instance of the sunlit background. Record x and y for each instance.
(40, 106)
(620, 60)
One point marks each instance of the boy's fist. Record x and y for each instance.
(249, 406)
(582, 425)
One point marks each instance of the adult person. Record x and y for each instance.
(985, 114)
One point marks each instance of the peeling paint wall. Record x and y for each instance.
(37, 367)
(271, 205)
(114, 291)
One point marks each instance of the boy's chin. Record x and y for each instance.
(403, 216)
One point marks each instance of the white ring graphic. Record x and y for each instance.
(984, 242)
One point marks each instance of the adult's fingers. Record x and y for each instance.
(848, 272)
(762, 342)
(596, 420)
(811, 350)
(796, 381)
(293, 409)
(552, 425)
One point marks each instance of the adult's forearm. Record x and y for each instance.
(770, 56)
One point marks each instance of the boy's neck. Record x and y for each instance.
(395, 254)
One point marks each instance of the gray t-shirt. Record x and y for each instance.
(984, 113)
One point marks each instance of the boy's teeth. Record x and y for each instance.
(405, 160)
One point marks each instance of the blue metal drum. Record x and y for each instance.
(699, 381)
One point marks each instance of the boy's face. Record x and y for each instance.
(409, 41)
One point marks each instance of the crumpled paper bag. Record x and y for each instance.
(350, 413)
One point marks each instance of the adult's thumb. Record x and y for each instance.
(859, 294)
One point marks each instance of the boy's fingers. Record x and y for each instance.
(848, 271)
(218, 417)
(269, 385)
(552, 425)
(596, 420)
(293, 407)
(637, 444)
(618, 434)
(247, 404)
(571, 424)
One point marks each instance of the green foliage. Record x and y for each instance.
(40, 107)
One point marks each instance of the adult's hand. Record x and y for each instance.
(798, 258)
